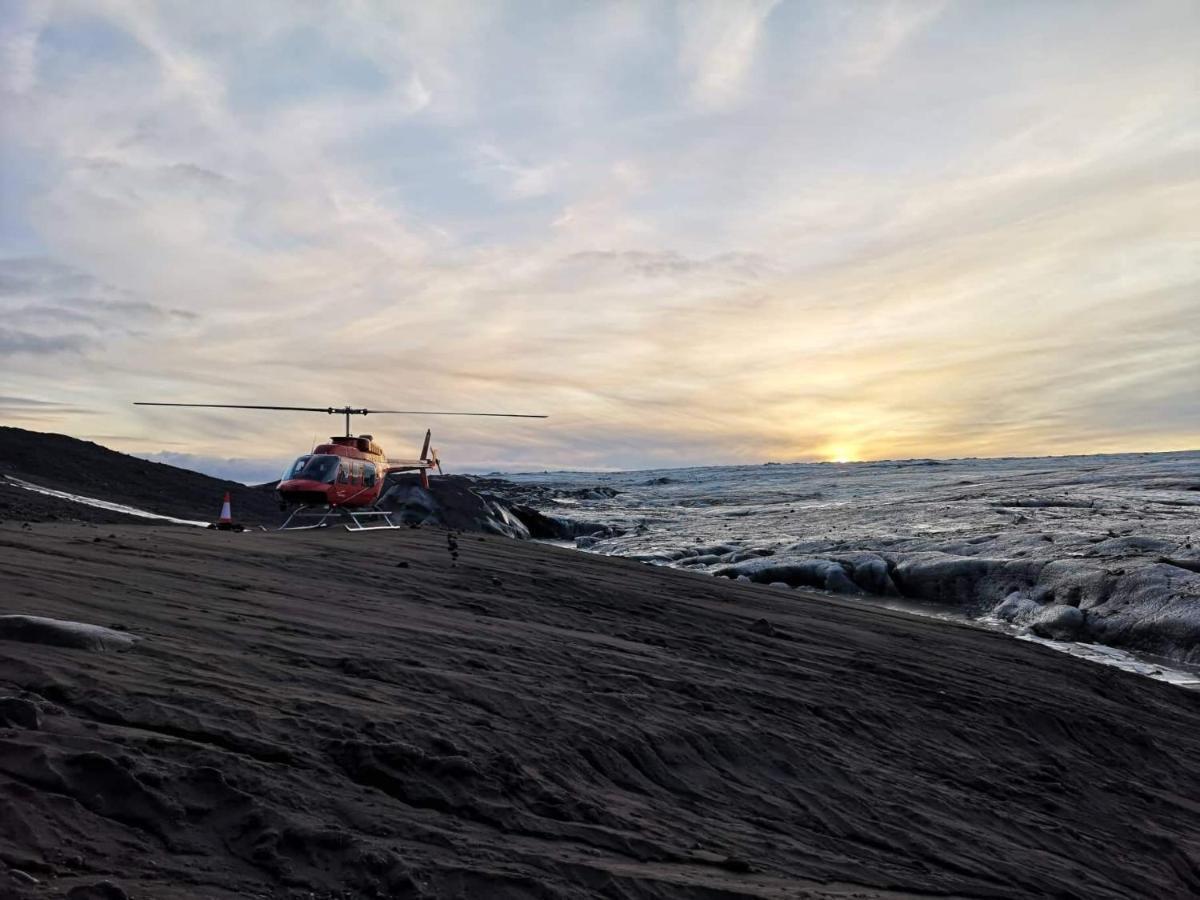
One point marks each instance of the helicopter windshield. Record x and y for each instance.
(313, 468)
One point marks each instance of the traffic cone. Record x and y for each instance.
(226, 523)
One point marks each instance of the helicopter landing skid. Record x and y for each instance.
(365, 519)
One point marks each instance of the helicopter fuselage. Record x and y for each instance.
(346, 472)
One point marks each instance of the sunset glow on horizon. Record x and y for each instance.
(694, 233)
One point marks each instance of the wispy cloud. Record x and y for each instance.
(717, 48)
(511, 178)
(691, 233)
(868, 36)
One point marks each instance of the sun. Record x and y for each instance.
(841, 453)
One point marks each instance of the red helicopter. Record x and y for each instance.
(345, 477)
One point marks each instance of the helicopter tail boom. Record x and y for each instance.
(429, 460)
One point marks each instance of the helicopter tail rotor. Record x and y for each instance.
(428, 459)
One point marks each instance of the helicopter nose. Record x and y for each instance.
(301, 490)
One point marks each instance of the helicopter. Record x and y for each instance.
(344, 478)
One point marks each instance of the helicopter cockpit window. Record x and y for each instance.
(343, 472)
(296, 467)
(314, 468)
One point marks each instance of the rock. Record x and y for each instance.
(870, 572)
(1192, 565)
(1017, 607)
(1059, 622)
(716, 550)
(18, 713)
(735, 864)
(819, 573)
(1151, 608)
(540, 525)
(973, 583)
(451, 503)
(742, 555)
(599, 492)
(101, 890)
(762, 626)
(657, 559)
(59, 633)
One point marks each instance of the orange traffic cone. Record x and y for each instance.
(226, 523)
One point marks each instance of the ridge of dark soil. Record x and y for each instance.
(65, 463)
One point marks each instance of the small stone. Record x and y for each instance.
(762, 626)
(734, 864)
(402, 565)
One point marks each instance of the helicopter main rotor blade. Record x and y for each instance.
(425, 412)
(324, 409)
(344, 410)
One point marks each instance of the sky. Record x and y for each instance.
(691, 233)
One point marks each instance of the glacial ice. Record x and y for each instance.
(1102, 549)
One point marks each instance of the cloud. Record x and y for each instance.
(737, 266)
(870, 36)
(55, 308)
(28, 409)
(718, 45)
(508, 177)
(16, 343)
(18, 47)
(714, 232)
(247, 471)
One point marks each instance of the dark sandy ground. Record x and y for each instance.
(336, 715)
